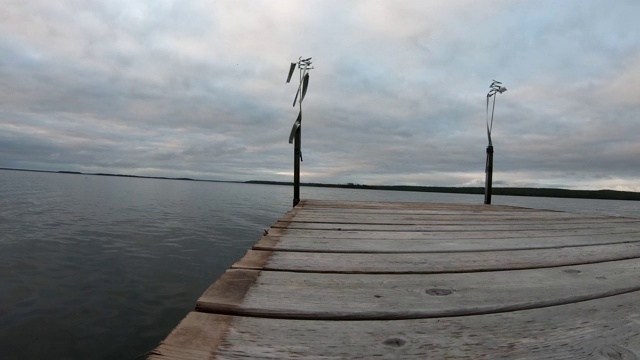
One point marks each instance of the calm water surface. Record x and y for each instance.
(96, 267)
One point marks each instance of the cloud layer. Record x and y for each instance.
(397, 95)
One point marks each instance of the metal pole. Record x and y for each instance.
(489, 179)
(295, 136)
(296, 167)
(495, 89)
(297, 149)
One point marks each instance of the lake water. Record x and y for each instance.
(95, 267)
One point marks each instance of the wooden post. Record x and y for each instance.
(489, 178)
(297, 155)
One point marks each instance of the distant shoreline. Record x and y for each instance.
(508, 191)
(121, 175)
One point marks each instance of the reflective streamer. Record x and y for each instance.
(296, 98)
(296, 126)
(305, 84)
(291, 70)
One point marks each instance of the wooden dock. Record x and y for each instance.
(365, 280)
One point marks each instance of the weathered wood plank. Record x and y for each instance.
(424, 214)
(605, 329)
(451, 215)
(373, 242)
(426, 209)
(421, 212)
(455, 228)
(367, 296)
(424, 263)
(194, 338)
(340, 205)
(470, 234)
(452, 220)
(449, 234)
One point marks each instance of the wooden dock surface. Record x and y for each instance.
(364, 280)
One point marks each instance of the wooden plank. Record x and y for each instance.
(425, 263)
(392, 212)
(537, 216)
(374, 205)
(419, 212)
(454, 228)
(449, 235)
(426, 208)
(194, 338)
(372, 242)
(445, 235)
(605, 328)
(449, 216)
(281, 294)
(453, 220)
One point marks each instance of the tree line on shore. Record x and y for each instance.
(510, 191)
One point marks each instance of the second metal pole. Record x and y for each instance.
(489, 178)
(296, 167)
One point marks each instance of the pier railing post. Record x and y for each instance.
(489, 175)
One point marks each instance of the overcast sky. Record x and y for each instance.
(398, 94)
